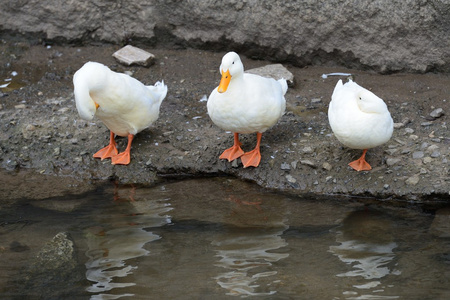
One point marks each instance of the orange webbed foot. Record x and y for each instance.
(123, 158)
(361, 164)
(232, 153)
(251, 159)
(107, 152)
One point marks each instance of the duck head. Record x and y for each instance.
(368, 102)
(231, 67)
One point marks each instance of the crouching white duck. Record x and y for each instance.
(122, 103)
(359, 120)
(245, 103)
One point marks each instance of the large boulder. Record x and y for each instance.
(387, 36)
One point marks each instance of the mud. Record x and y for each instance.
(42, 132)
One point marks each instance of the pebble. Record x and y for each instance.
(413, 180)
(130, 55)
(327, 166)
(418, 154)
(435, 154)
(291, 179)
(437, 113)
(308, 163)
(391, 151)
(428, 123)
(427, 160)
(307, 150)
(392, 161)
(285, 166)
(294, 164)
(30, 127)
(20, 106)
(406, 151)
(409, 130)
(432, 148)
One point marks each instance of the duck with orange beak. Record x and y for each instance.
(245, 103)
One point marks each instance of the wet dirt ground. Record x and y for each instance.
(42, 131)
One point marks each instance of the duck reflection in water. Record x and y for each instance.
(110, 250)
(367, 244)
(245, 249)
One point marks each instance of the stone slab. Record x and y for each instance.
(275, 71)
(130, 55)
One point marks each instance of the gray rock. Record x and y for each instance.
(276, 71)
(294, 164)
(387, 36)
(437, 113)
(392, 161)
(308, 163)
(57, 263)
(285, 166)
(130, 55)
(435, 154)
(418, 154)
(290, 179)
(307, 150)
(391, 151)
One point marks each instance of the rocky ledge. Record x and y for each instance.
(42, 131)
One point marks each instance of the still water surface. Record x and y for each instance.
(221, 239)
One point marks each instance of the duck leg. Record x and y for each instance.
(361, 164)
(108, 151)
(123, 158)
(252, 158)
(235, 151)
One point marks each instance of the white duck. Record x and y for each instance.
(245, 103)
(359, 120)
(122, 103)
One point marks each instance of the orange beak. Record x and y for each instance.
(224, 82)
(96, 105)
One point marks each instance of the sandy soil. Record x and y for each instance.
(41, 130)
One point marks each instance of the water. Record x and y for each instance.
(220, 239)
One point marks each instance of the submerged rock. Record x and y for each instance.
(55, 263)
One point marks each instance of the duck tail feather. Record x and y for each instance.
(284, 86)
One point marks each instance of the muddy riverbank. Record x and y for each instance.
(41, 129)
